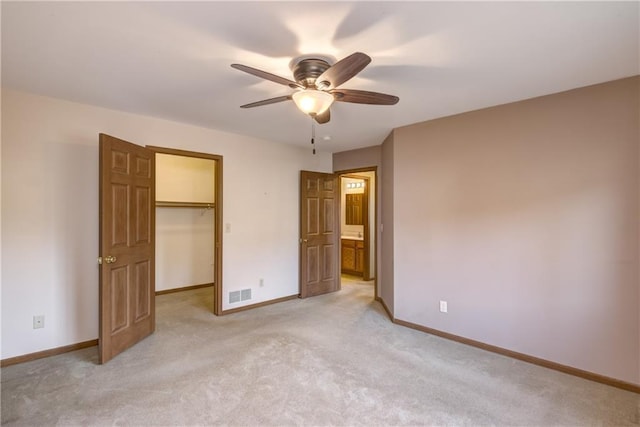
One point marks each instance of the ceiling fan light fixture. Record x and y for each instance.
(313, 102)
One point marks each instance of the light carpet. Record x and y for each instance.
(330, 360)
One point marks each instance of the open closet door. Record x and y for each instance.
(319, 233)
(127, 252)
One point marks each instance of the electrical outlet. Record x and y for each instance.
(38, 322)
(443, 306)
(261, 282)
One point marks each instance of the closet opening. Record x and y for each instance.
(188, 222)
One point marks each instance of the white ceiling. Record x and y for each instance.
(172, 59)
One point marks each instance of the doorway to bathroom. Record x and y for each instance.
(358, 230)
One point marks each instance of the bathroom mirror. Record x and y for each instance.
(353, 209)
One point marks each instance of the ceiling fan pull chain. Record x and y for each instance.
(313, 134)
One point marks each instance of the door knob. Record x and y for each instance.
(303, 240)
(110, 259)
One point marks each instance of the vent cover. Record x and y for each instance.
(241, 295)
(234, 297)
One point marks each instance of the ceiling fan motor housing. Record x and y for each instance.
(308, 70)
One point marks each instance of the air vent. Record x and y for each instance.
(241, 295)
(234, 297)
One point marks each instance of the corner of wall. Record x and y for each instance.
(386, 225)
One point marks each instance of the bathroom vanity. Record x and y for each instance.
(353, 256)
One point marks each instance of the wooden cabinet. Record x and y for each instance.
(353, 257)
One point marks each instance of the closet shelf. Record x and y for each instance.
(163, 204)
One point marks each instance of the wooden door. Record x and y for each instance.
(127, 245)
(319, 233)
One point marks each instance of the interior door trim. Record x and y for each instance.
(373, 215)
(217, 307)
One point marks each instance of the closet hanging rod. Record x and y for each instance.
(162, 204)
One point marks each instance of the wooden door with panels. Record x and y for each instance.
(127, 245)
(319, 233)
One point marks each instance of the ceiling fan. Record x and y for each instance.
(317, 85)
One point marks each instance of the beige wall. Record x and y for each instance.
(50, 212)
(185, 239)
(524, 218)
(184, 179)
(356, 159)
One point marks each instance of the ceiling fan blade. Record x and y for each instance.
(324, 117)
(364, 97)
(267, 76)
(342, 71)
(267, 101)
